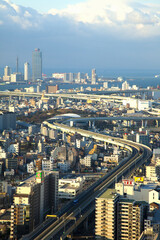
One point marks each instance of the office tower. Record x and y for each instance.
(36, 64)
(105, 215)
(26, 71)
(7, 74)
(94, 76)
(34, 198)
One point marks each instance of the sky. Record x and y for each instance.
(81, 34)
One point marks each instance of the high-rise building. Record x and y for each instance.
(125, 85)
(105, 218)
(36, 64)
(7, 74)
(130, 217)
(94, 76)
(26, 71)
(34, 197)
(119, 218)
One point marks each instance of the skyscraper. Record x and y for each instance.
(26, 71)
(94, 76)
(36, 64)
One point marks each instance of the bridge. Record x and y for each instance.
(78, 210)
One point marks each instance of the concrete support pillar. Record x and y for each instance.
(142, 123)
(10, 98)
(144, 96)
(90, 124)
(157, 123)
(64, 136)
(128, 123)
(93, 123)
(71, 123)
(86, 224)
(105, 145)
(146, 122)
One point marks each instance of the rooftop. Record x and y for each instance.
(110, 193)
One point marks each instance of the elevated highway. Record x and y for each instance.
(76, 96)
(79, 209)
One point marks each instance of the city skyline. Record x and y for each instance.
(82, 34)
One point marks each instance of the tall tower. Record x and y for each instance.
(94, 76)
(26, 71)
(36, 64)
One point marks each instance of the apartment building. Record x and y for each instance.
(106, 215)
(129, 219)
(118, 218)
(34, 198)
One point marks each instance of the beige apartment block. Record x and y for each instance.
(129, 219)
(105, 215)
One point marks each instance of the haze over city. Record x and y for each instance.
(119, 34)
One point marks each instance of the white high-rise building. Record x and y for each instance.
(7, 71)
(7, 74)
(125, 85)
(26, 71)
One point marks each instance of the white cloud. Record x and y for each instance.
(124, 17)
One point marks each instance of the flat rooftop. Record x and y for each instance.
(110, 193)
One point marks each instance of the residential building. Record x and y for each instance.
(34, 198)
(105, 215)
(130, 217)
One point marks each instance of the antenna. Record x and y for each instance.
(17, 65)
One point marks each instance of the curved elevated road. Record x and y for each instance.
(80, 208)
